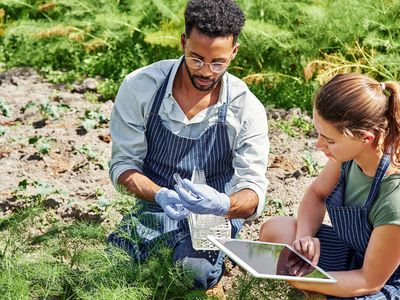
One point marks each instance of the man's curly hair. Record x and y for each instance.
(214, 18)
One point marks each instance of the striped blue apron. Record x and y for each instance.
(343, 245)
(147, 226)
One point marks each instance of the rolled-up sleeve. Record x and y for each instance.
(251, 149)
(127, 128)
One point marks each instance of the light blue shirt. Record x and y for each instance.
(246, 126)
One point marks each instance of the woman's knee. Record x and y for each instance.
(280, 229)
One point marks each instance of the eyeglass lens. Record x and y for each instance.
(196, 63)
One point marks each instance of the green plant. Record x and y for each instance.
(46, 109)
(2, 130)
(93, 119)
(4, 108)
(108, 88)
(311, 167)
(305, 126)
(287, 127)
(295, 126)
(276, 207)
(91, 97)
(35, 191)
(92, 156)
(27, 106)
(42, 144)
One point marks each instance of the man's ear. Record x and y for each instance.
(235, 50)
(183, 41)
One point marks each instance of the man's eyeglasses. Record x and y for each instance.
(216, 67)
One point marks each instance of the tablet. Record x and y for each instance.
(271, 260)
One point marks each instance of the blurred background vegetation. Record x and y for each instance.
(288, 48)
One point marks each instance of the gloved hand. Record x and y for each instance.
(171, 204)
(203, 199)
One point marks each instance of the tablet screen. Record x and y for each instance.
(270, 260)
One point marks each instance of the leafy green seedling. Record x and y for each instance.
(52, 111)
(305, 126)
(4, 108)
(295, 126)
(27, 106)
(92, 156)
(286, 127)
(311, 166)
(35, 191)
(42, 144)
(46, 109)
(2, 130)
(93, 119)
(87, 150)
(277, 205)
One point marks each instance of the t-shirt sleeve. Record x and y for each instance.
(388, 210)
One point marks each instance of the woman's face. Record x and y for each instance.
(334, 144)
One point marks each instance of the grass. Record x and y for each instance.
(42, 257)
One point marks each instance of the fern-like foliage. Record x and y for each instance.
(280, 39)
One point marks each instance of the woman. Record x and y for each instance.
(358, 124)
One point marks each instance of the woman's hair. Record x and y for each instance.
(214, 18)
(355, 103)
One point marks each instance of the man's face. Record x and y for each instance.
(209, 50)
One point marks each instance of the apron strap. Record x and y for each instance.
(160, 95)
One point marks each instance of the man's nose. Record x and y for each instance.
(206, 70)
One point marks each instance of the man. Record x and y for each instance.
(175, 116)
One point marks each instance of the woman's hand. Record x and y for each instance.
(309, 247)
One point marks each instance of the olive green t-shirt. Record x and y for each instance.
(386, 206)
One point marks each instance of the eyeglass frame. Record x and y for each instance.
(226, 64)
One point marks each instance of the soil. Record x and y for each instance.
(76, 162)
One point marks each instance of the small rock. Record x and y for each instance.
(296, 174)
(14, 80)
(105, 138)
(90, 84)
(51, 203)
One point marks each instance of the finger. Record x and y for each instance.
(184, 213)
(307, 247)
(310, 248)
(195, 188)
(185, 196)
(294, 269)
(189, 185)
(195, 208)
(176, 214)
(315, 259)
(296, 245)
(301, 269)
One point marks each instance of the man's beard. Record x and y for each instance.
(202, 88)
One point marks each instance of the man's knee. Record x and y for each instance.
(122, 241)
(205, 273)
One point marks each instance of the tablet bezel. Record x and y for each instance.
(253, 272)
